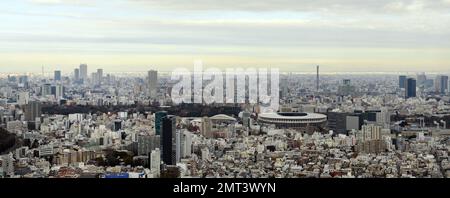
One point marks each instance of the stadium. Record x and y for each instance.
(293, 119)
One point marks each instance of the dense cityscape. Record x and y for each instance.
(76, 124)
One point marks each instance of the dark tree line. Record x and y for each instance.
(184, 110)
(7, 140)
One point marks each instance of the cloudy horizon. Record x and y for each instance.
(293, 35)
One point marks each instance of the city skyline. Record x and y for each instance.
(131, 35)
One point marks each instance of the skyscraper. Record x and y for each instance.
(99, 76)
(441, 84)
(246, 118)
(168, 140)
(207, 127)
(32, 110)
(317, 79)
(152, 83)
(46, 89)
(410, 88)
(187, 144)
(421, 79)
(178, 142)
(401, 81)
(23, 98)
(59, 91)
(155, 161)
(76, 75)
(57, 76)
(158, 121)
(83, 72)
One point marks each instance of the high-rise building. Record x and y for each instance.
(354, 122)
(401, 82)
(94, 78)
(99, 76)
(23, 81)
(410, 88)
(337, 122)
(46, 89)
(33, 110)
(369, 139)
(246, 118)
(155, 161)
(179, 136)
(207, 127)
(76, 75)
(144, 145)
(168, 143)
(152, 83)
(371, 132)
(58, 91)
(448, 87)
(23, 98)
(421, 79)
(84, 72)
(384, 117)
(441, 84)
(317, 79)
(57, 76)
(147, 143)
(346, 88)
(158, 121)
(284, 85)
(187, 146)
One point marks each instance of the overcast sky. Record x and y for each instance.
(293, 35)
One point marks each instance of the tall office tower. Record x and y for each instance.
(317, 79)
(144, 145)
(207, 127)
(384, 117)
(441, 84)
(168, 140)
(84, 72)
(46, 89)
(421, 79)
(99, 76)
(158, 121)
(23, 79)
(448, 87)
(155, 161)
(152, 79)
(57, 76)
(33, 110)
(410, 88)
(444, 82)
(59, 91)
(94, 78)
(401, 81)
(284, 87)
(23, 98)
(76, 75)
(179, 144)
(187, 146)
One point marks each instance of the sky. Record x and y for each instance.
(293, 35)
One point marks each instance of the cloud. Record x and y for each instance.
(62, 2)
(340, 6)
